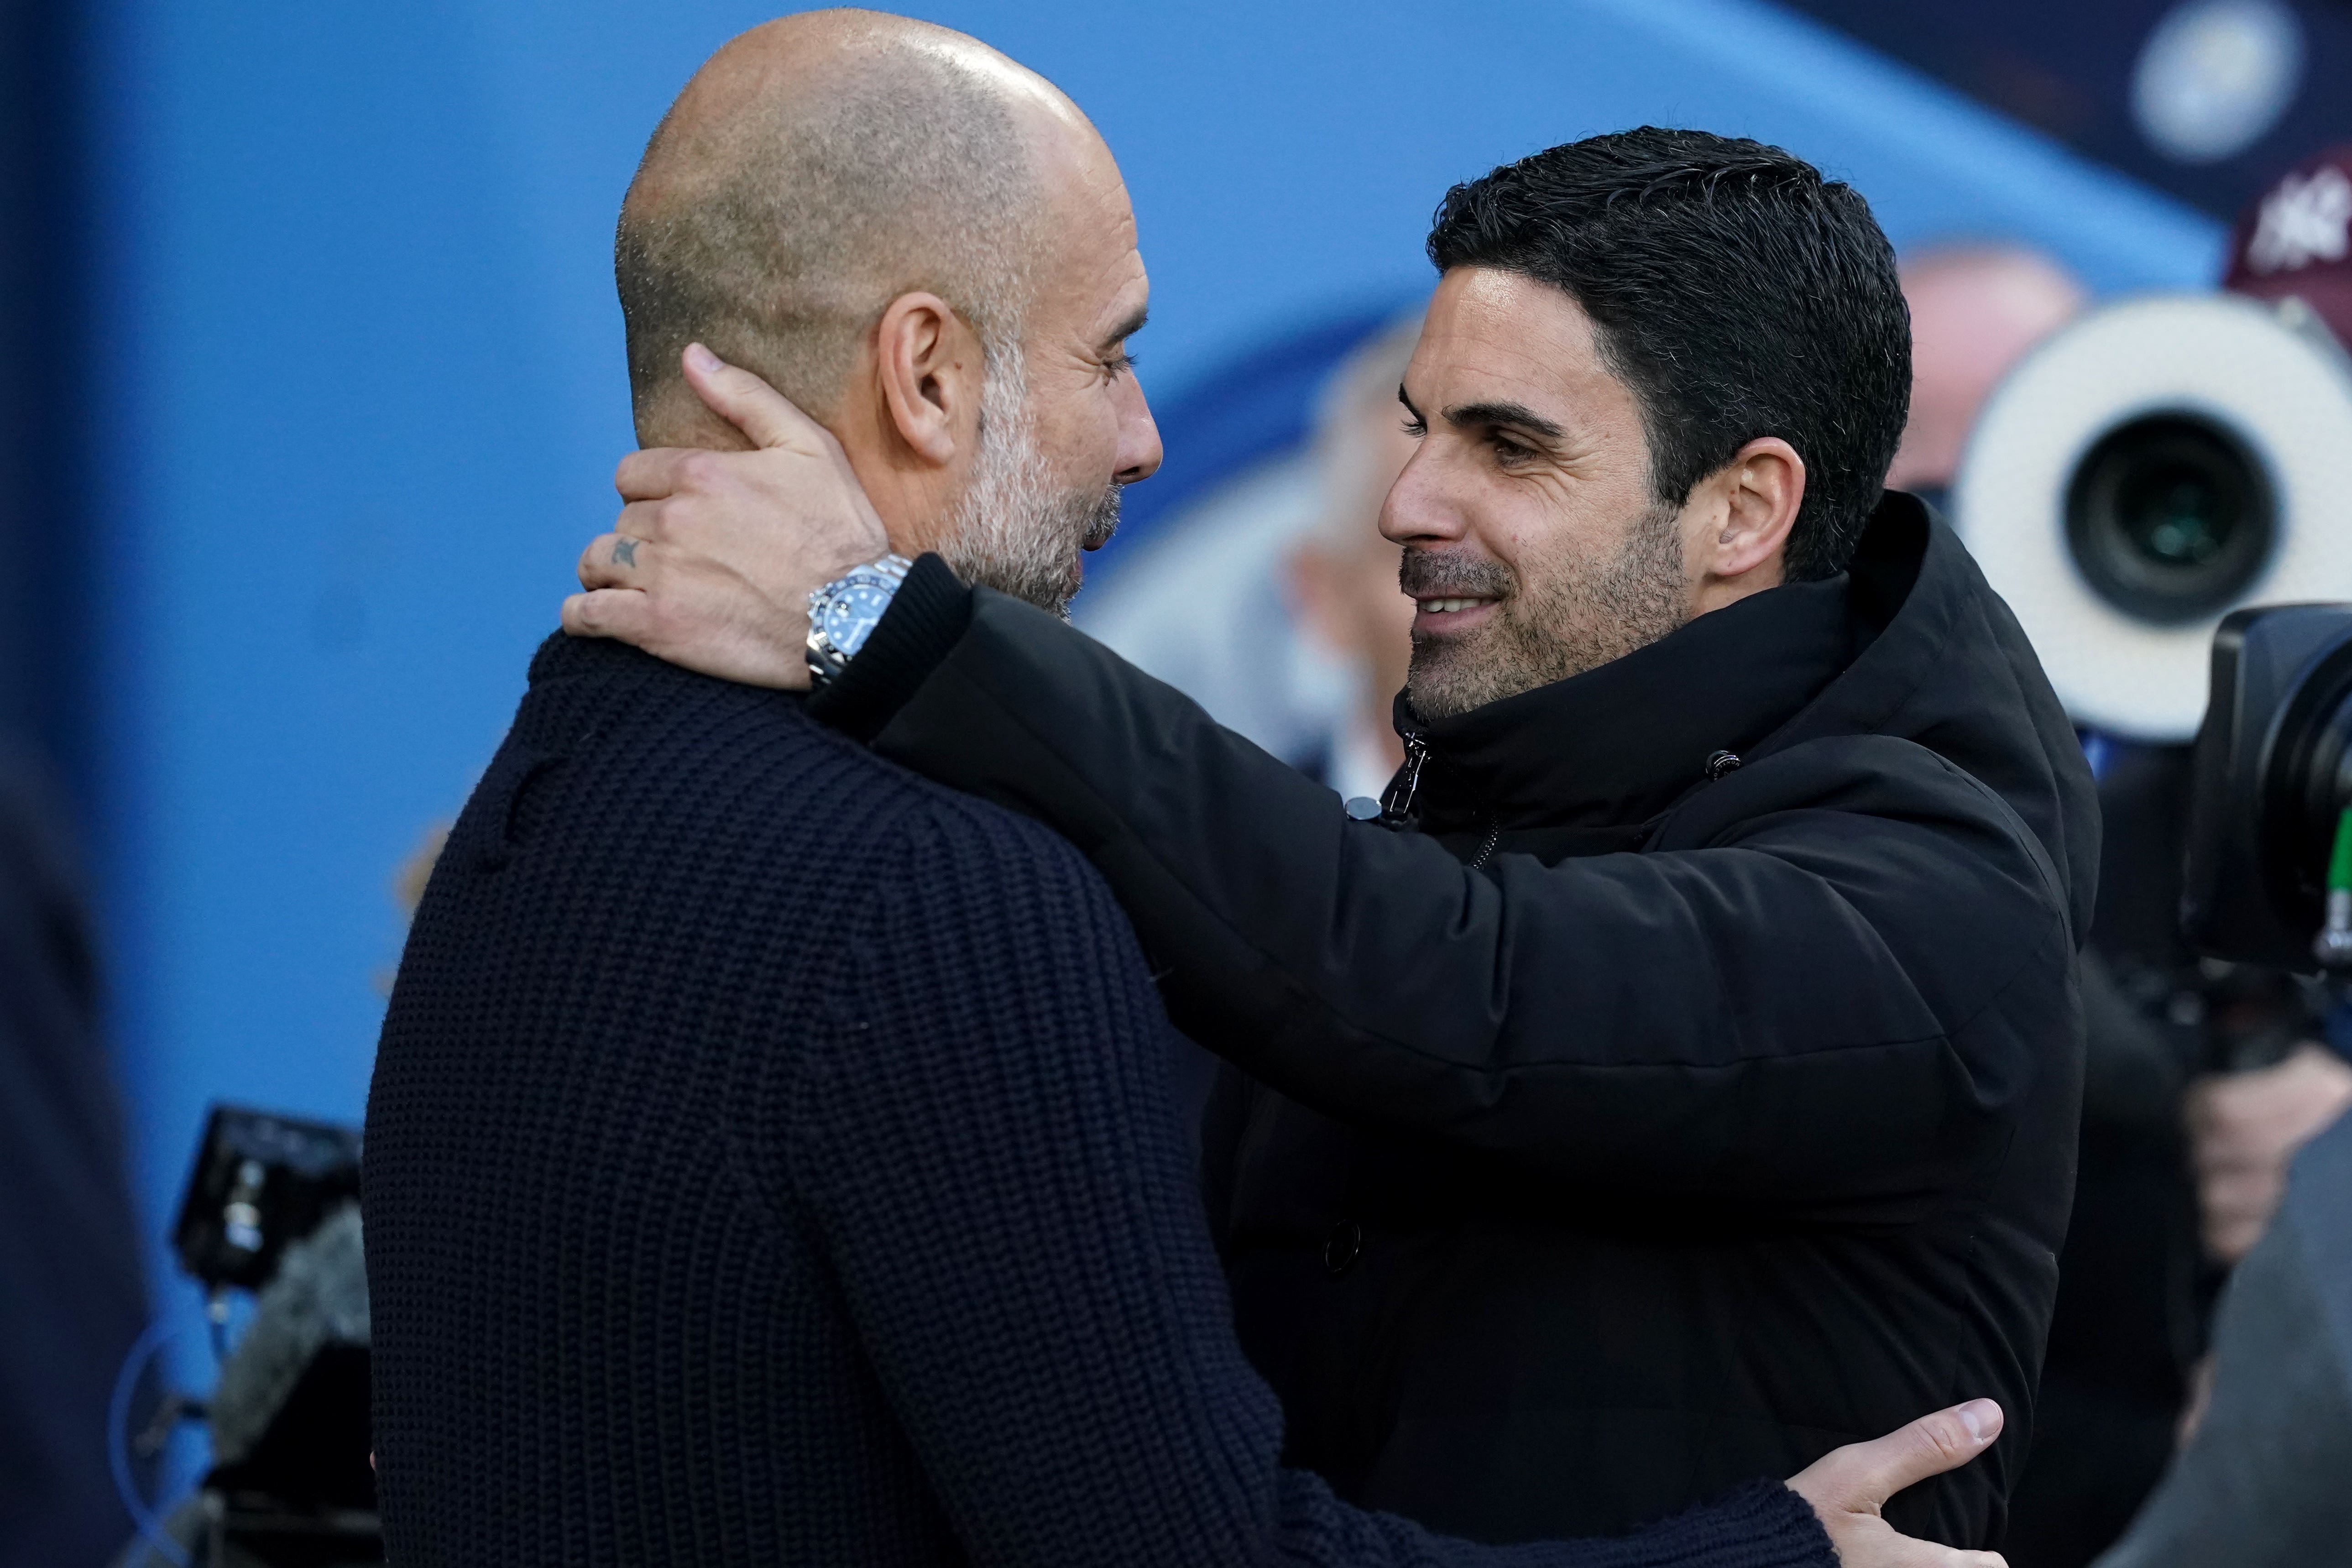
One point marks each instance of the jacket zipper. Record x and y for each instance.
(1396, 806)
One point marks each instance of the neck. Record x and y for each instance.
(1714, 593)
(915, 499)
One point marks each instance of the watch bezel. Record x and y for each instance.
(826, 661)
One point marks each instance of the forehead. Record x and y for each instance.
(1495, 336)
(1090, 272)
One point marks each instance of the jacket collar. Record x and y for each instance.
(1618, 744)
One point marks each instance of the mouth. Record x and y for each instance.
(1454, 613)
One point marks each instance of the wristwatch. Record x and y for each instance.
(844, 612)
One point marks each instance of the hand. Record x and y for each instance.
(715, 555)
(2245, 1127)
(1848, 1486)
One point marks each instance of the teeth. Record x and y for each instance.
(1448, 606)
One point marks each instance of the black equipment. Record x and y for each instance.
(261, 1182)
(273, 1207)
(2273, 776)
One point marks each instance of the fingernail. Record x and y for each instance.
(700, 358)
(1977, 1416)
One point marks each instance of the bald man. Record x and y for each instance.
(769, 1159)
(1343, 573)
(1976, 310)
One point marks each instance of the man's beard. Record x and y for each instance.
(1571, 621)
(1016, 530)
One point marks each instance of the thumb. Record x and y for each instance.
(1869, 1473)
(750, 403)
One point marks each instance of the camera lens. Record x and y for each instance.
(2169, 518)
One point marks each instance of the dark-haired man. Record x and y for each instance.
(1679, 1077)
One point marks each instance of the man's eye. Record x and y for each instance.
(1509, 451)
(1121, 363)
(1416, 428)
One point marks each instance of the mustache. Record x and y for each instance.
(1434, 574)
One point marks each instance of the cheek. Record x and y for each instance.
(1078, 436)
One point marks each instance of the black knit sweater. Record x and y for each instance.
(769, 1161)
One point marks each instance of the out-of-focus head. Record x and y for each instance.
(927, 247)
(1343, 571)
(1976, 310)
(1663, 370)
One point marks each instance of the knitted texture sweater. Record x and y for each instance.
(769, 1161)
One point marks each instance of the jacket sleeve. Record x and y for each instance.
(1776, 1010)
(986, 1152)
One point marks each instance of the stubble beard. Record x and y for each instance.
(1571, 621)
(1017, 530)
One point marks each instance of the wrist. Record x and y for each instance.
(844, 612)
(928, 612)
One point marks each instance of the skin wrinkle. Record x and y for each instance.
(1533, 490)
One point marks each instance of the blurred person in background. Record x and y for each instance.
(2202, 1078)
(1976, 310)
(73, 1297)
(2264, 1480)
(1342, 574)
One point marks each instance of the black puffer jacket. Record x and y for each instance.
(1622, 1133)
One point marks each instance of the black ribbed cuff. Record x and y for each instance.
(926, 615)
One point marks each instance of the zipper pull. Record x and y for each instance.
(1396, 805)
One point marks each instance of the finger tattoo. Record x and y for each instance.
(625, 552)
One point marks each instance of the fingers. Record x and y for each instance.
(1859, 1478)
(619, 559)
(711, 646)
(750, 403)
(622, 613)
(654, 473)
(1932, 1445)
(1929, 1446)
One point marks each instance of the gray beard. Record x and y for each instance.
(1571, 622)
(1016, 531)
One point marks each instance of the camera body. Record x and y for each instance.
(272, 1207)
(2272, 775)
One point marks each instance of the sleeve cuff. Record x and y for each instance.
(926, 615)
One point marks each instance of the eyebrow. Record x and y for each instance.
(1481, 416)
(1477, 415)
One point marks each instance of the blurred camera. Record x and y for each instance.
(272, 1207)
(2149, 470)
(261, 1182)
(2273, 778)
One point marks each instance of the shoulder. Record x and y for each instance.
(1908, 837)
(992, 880)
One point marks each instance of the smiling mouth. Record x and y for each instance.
(1449, 606)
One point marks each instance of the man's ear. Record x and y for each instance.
(930, 366)
(1760, 491)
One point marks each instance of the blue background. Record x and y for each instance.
(361, 382)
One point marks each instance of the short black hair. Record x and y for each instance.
(1736, 292)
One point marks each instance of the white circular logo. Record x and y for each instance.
(2215, 75)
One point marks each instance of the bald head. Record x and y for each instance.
(1976, 310)
(815, 169)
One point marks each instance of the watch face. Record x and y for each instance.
(852, 611)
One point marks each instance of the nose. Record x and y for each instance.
(1139, 434)
(1417, 510)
